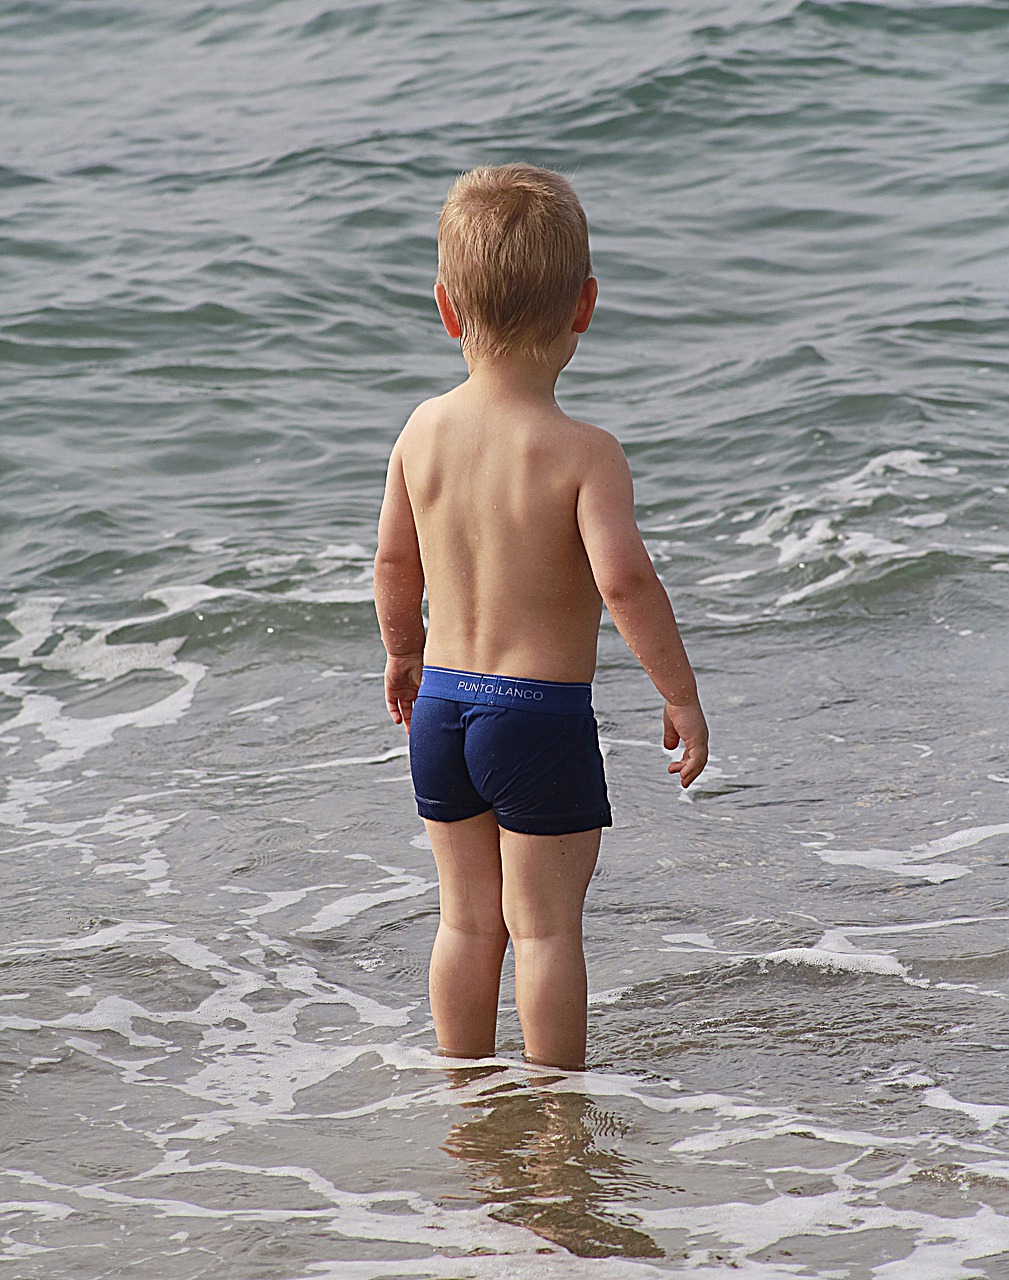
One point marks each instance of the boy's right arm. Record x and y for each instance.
(399, 590)
(637, 600)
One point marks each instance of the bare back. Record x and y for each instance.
(494, 488)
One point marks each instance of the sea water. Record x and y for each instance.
(216, 1054)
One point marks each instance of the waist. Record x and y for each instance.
(553, 697)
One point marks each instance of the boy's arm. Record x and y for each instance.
(399, 589)
(637, 601)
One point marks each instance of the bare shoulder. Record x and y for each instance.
(596, 439)
(421, 424)
(596, 449)
(425, 414)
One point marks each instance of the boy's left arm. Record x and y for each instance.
(399, 589)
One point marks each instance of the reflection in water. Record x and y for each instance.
(540, 1167)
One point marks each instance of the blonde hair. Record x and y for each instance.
(513, 254)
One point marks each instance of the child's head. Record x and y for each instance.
(513, 255)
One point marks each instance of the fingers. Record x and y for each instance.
(690, 767)
(403, 674)
(400, 707)
(686, 724)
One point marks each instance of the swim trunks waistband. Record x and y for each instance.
(554, 697)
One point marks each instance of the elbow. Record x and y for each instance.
(620, 589)
(391, 566)
(384, 566)
(388, 558)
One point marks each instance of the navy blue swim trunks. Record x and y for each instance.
(528, 749)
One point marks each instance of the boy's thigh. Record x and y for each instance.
(468, 857)
(543, 774)
(544, 879)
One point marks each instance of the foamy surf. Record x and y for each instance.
(219, 904)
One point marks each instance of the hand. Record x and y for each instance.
(402, 680)
(685, 723)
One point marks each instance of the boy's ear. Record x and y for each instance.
(447, 312)
(586, 305)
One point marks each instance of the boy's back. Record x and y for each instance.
(519, 521)
(494, 484)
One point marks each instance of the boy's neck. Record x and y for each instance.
(515, 376)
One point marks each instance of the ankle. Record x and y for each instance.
(529, 1060)
(457, 1053)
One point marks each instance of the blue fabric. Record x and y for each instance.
(552, 697)
(542, 774)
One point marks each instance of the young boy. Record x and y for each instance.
(520, 522)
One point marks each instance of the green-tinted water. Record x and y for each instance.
(218, 233)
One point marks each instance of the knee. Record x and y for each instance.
(527, 928)
(487, 927)
(541, 917)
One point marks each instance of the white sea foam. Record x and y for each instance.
(689, 942)
(910, 462)
(333, 556)
(88, 657)
(258, 1070)
(731, 1233)
(795, 547)
(834, 952)
(777, 518)
(401, 885)
(189, 597)
(347, 552)
(770, 1124)
(250, 1061)
(447, 1237)
(340, 762)
(731, 618)
(275, 901)
(47, 1209)
(273, 564)
(723, 579)
(25, 795)
(100, 841)
(110, 935)
(904, 1075)
(917, 860)
(813, 588)
(256, 706)
(334, 595)
(613, 996)
(532, 1261)
(840, 961)
(938, 1247)
(927, 520)
(809, 529)
(35, 621)
(984, 1115)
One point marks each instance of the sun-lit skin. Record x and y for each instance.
(518, 589)
(519, 520)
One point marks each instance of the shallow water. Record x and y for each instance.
(215, 1048)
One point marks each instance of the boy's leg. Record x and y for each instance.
(471, 940)
(543, 889)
